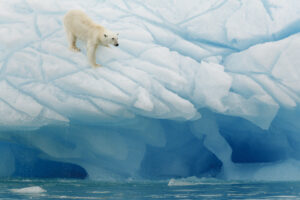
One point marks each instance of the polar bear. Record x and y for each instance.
(79, 26)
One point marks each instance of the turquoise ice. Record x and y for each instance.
(196, 88)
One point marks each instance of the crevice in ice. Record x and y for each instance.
(91, 102)
(267, 7)
(178, 38)
(100, 110)
(156, 14)
(140, 84)
(290, 91)
(128, 93)
(182, 34)
(14, 108)
(38, 32)
(36, 98)
(42, 51)
(155, 82)
(212, 8)
(126, 4)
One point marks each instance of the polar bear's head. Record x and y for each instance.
(111, 38)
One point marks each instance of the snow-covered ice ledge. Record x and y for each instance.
(205, 88)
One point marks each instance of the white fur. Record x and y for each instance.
(79, 26)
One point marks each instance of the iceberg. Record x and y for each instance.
(197, 89)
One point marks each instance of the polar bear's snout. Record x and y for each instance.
(115, 40)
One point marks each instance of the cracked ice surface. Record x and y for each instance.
(188, 86)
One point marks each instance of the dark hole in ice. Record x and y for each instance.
(49, 169)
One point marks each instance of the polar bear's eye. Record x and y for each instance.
(113, 38)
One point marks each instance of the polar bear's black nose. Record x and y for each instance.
(116, 45)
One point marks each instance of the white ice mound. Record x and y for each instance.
(232, 64)
(29, 190)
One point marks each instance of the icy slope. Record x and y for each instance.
(204, 88)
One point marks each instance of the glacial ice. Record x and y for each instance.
(198, 88)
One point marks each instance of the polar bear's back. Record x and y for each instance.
(78, 23)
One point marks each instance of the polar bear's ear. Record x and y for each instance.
(105, 35)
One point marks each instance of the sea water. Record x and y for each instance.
(128, 190)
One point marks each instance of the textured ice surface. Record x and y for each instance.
(197, 88)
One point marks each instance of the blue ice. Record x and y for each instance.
(204, 88)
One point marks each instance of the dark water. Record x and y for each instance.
(202, 189)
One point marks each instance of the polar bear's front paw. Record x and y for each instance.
(96, 65)
(74, 49)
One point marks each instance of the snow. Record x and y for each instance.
(191, 86)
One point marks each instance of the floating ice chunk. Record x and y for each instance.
(29, 190)
(174, 182)
(194, 181)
